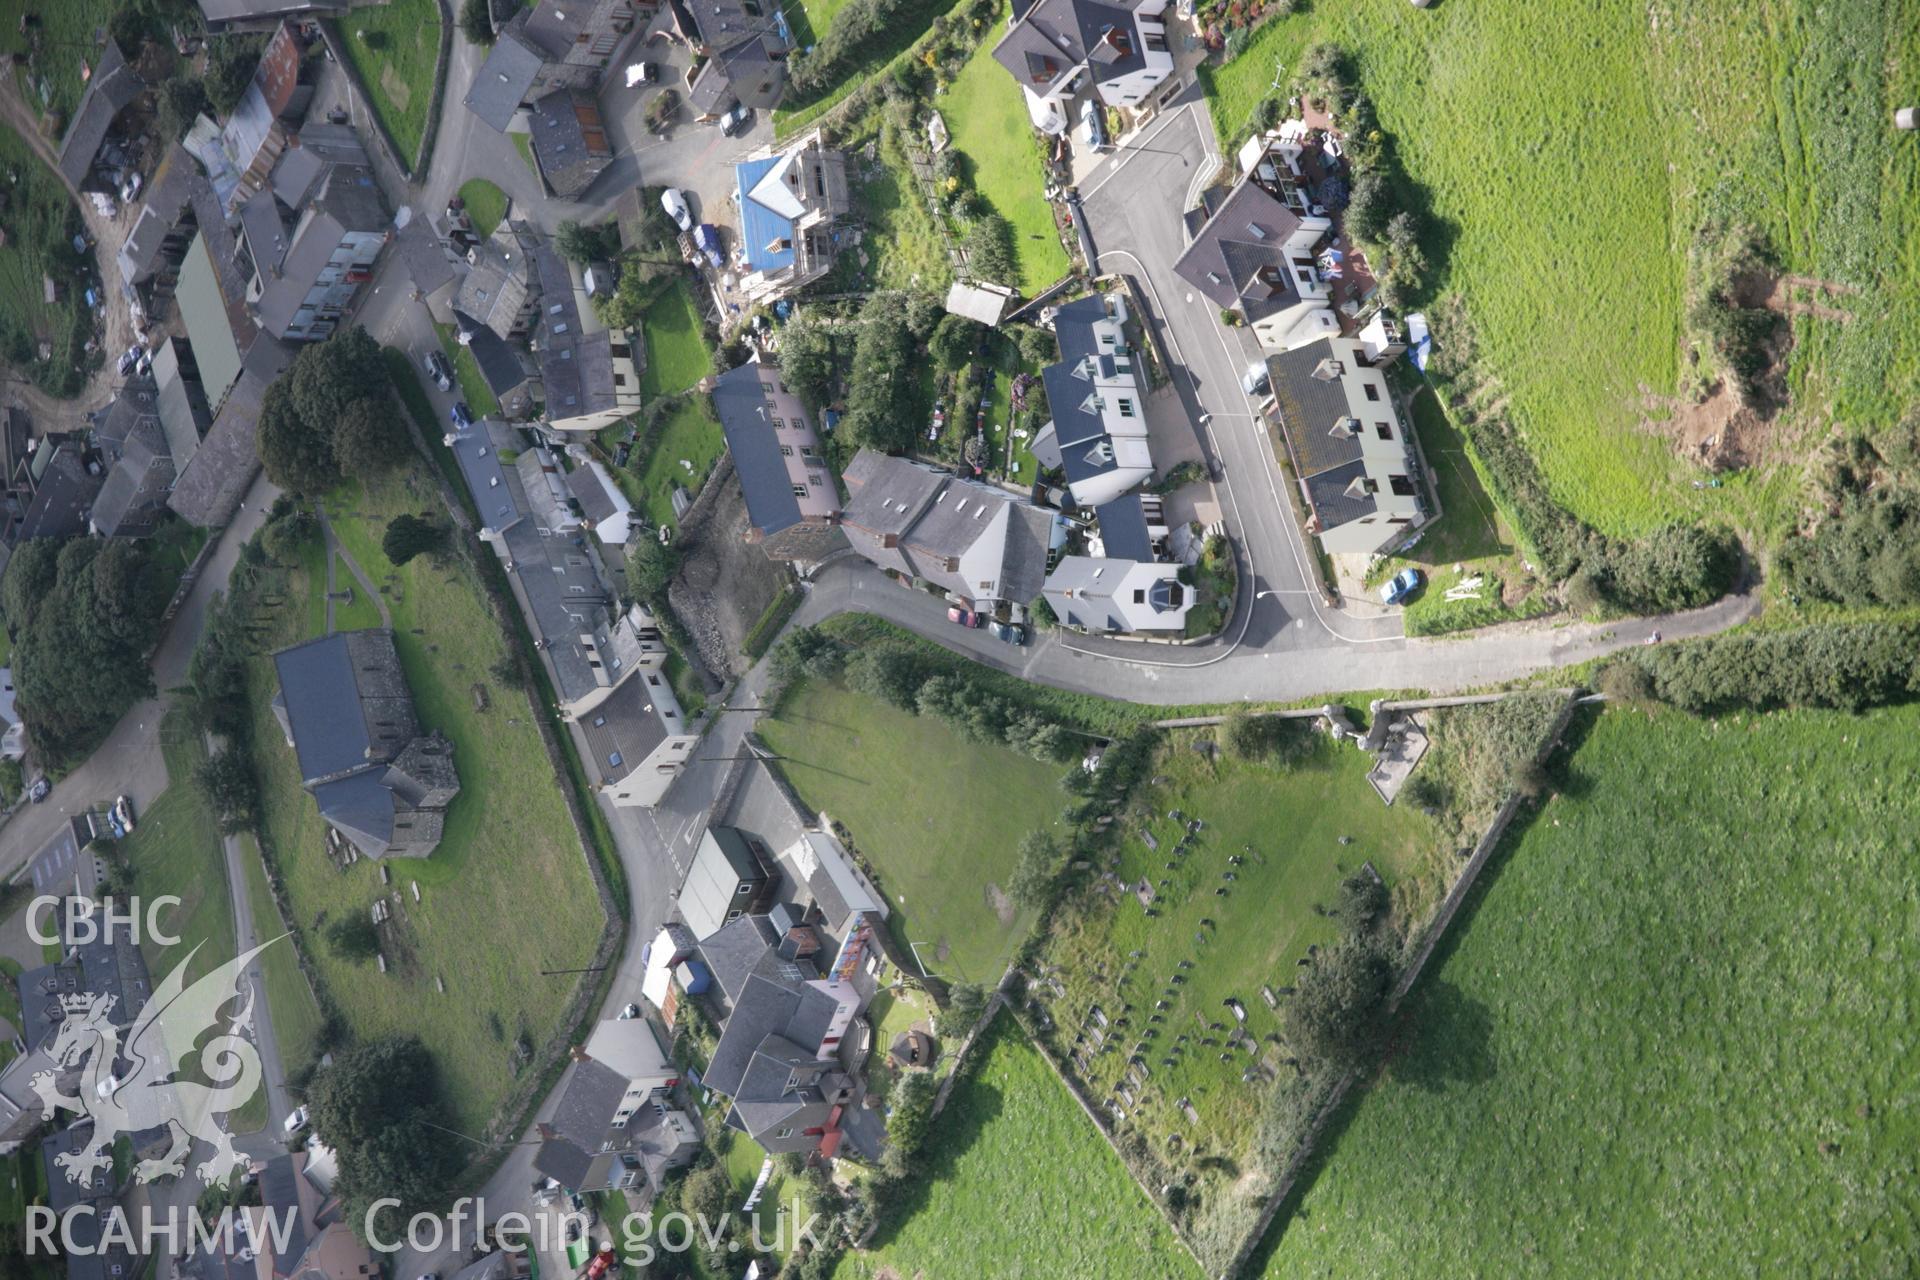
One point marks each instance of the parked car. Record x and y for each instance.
(629, 1013)
(1402, 585)
(296, 1121)
(1095, 120)
(706, 238)
(123, 816)
(440, 369)
(676, 206)
(1012, 633)
(641, 73)
(1254, 380)
(736, 120)
(461, 415)
(40, 789)
(129, 360)
(965, 617)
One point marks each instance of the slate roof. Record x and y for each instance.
(324, 682)
(348, 201)
(939, 522)
(211, 486)
(135, 403)
(1123, 528)
(782, 1007)
(569, 142)
(280, 1195)
(427, 260)
(112, 87)
(135, 493)
(732, 953)
(180, 403)
(1327, 491)
(63, 497)
(96, 968)
(221, 11)
(740, 404)
(495, 285)
(169, 196)
(506, 77)
(1311, 408)
(1229, 252)
(496, 490)
(1052, 36)
(498, 360)
(596, 502)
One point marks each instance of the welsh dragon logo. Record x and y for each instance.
(128, 1085)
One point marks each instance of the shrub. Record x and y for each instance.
(1036, 875)
(476, 21)
(1334, 1016)
(354, 937)
(232, 793)
(1848, 666)
(990, 254)
(409, 535)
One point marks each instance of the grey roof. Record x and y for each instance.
(63, 1193)
(1242, 240)
(768, 1006)
(725, 860)
(741, 405)
(732, 953)
(569, 141)
(325, 681)
(565, 599)
(496, 284)
(506, 77)
(1054, 35)
(63, 498)
(585, 486)
(181, 403)
(495, 487)
(280, 1194)
(1078, 428)
(134, 496)
(429, 262)
(1332, 503)
(211, 485)
(938, 520)
(135, 403)
(1123, 529)
(318, 145)
(219, 11)
(625, 730)
(169, 196)
(498, 360)
(98, 968)
(110, 89)
(349, 201)
(1312, 409)
(576, 368)
(592, 1094)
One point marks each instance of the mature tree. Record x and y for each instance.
(966, 1001)
(650, 567)
(1363, 902)
(370, 437)
(231, 790)
(231, 61)
(990, 254)
(808, 651)
(476, 21)
(912, 1120)
(955, 340)
(580, 243)
(652, 231)
(354, 937)
(329, 376)
(807, 362)
(1037, 870)
(709, 1192)
(1370, 208)
(83, 612)
(409, 535)
(1037, 346)
(285, 536)
(883, 403)
(1334, 1016)
(181, 101)
(378, 1107)
(888, 672)
(296, 456)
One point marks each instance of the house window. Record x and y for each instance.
(1402, 485)
(784, 1131)
(767, 387)
(777, 424)
(1373, 392)
(799, 491)
(743, 889)
(1384, 431)
(1126, 407)
(786, 451)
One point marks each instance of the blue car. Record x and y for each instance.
(461, 415)
(1402, 585)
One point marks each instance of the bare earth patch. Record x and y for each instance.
(1002, 904)
(396, 88)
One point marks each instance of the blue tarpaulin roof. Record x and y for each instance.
(760, 226)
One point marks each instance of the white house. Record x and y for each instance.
(1119, 595)
(1056, 48)
(1098, 435)
(1261, 258)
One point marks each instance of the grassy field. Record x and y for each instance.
(1287, 823)
(508, 843)
(1670, 1037)
(689, 435)
(922, 803)
(810, 19)
(902, 243)
(677, 355)
(1570, 154)
(486, 204)
(988, 120)
(66, 33)
(296, 1018)
(38, 212)
(395, 47)
(1018, 1182)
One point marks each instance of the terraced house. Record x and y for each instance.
(1057, 49)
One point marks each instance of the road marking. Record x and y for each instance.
(1134, 151)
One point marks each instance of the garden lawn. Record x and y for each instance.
(677, 356)
(987, 116)
(1570, 155)
(506, 894)
(939, 818)
(810, 19)
(296, 1018)
(689, 435)
(1287, 823)
(903, 29)
(395, 47)
(486, 204)
(38, 211)
(1671, 1035)
(1016, 1181)
(466, 373)
(66, 36)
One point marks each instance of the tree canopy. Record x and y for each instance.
(883, 401)
(409, 535)
(377, 1106)
(84, 613)
(329, 414)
